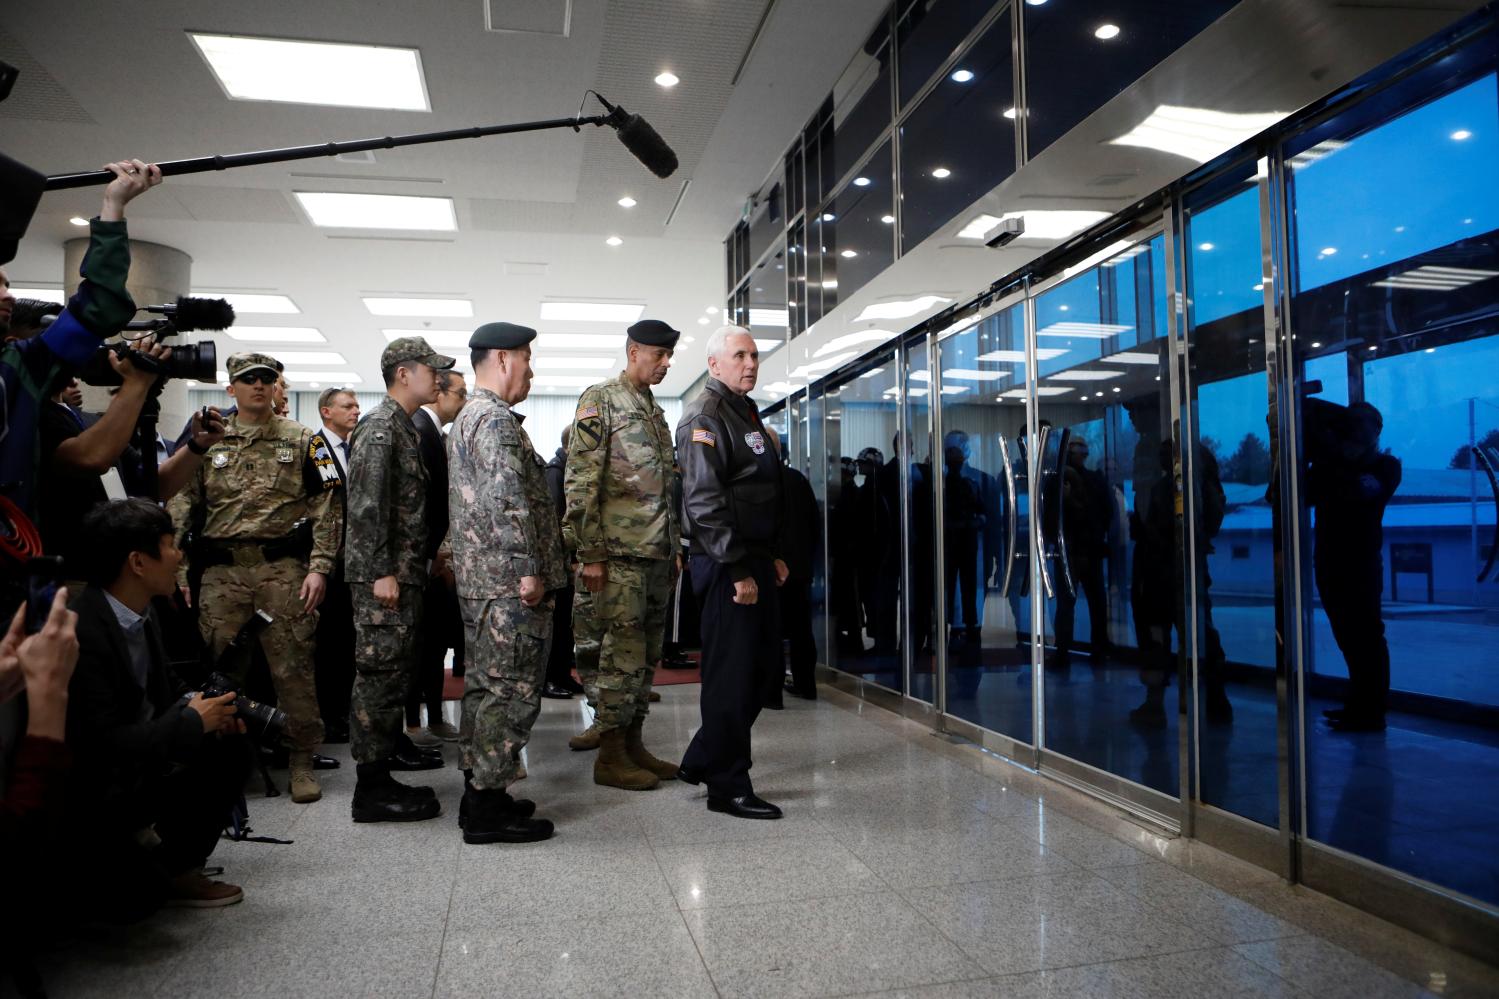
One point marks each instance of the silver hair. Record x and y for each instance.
(720, 338)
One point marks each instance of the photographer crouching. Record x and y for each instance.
(156, 770)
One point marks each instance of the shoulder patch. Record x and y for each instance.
(701, 436)
(586, 412)
(588, 432)
(380, 436)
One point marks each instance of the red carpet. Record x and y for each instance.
(452, 686)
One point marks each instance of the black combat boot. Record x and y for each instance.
(521, 807)
(491, 818)
(379, 797)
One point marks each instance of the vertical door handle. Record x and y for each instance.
(1011, 517)
(1038, 514)
(1065, 578)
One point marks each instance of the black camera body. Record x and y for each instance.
(260, 719)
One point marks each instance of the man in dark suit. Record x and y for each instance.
(333, 655)
(802, 536)
(157, 771)
(442, 627)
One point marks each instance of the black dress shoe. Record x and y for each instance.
(571, 685)
(687, 775)
(556, 692)
(407, 761)
(321, 762)
(746, 806)
(678, 662)
(795, 691)
(776, 705)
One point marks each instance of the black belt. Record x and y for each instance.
(248, 552)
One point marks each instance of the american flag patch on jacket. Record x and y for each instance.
(587, 411)
(704, 437)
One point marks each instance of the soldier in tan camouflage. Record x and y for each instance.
(385, 562)
(266, 533)
(507, 560)
(621, 523)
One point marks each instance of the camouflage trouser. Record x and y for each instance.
(229, 594)
(618, 633)
(385, 651)
(507, 664)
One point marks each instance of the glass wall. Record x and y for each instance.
(1395, 254)
(920, 605)
(857, 230)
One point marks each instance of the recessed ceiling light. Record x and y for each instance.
(378, 211)
(550, 362)
(579, 341)
(1205, 247)
(435, 338)
(1462, 134)
(828, 216)
(308, 358)
(268, 305)
(942, 173)
(862, 181)
(1315, 345)
(41, 294)
(702, 320)
(591, 312)
(849, 253)
(667, 79)
(1328, 251)
(614, 241)
(300, 72)
(1105, 32)
(627, 202)
(962, 75)
(1035, 3)
(450, 308)
(276, 334)
(1010, 113)
(687, 339)
(711, 310)
(888, 219)
(78, 220)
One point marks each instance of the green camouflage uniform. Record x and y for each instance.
(250, 490)
(619, 511)
(503, 526)
(386, 502)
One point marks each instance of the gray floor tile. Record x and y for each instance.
(1326, 970)
(827, 946)
(1208, 910)
(509, 882)
(634, 955)
(775, 870)
(1031, 924)
(1080, 843)
(983, 851)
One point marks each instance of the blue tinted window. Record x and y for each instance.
(1074, 64)
(1376, 200)
(1224, 256)
(958, 143)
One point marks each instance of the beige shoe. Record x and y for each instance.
(642, 758)
(586, 740)
(304, 786)
(191, 890)
(614, 768)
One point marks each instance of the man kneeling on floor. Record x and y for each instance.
(156, 769)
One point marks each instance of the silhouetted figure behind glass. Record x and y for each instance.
(873, 525)
(962, 521)
(1349, 482)
(1086, 517)
(802, 536)
(846, 535)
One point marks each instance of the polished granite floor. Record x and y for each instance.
(906, 865)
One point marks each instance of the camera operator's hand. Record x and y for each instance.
(139, 376)
(217, 712)
(45, 662)
(132, 178)
(314, 589)
(388, 592)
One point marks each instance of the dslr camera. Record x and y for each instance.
(260, 719)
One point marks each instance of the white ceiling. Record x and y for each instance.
(127, 82)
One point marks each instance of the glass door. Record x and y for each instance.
(1104, 481)
(985, 523)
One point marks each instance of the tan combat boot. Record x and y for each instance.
(304, 786)
(586, 740)
(614, 768)
(642, 758)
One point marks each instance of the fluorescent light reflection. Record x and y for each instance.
(1197, 134)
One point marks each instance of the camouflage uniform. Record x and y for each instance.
(387, 533)
(620, 475)
(247, 495)
(503, 526)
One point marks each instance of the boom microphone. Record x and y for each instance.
(643, 141)
(189, 314)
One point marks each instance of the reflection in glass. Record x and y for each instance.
(983, 541)
(926, 35)
(861, 102)
(1103, 478)
(1399, 506)
(915, 452)
(857, 243)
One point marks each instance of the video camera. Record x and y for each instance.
(198, 361)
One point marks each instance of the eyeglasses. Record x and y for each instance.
(261, 377)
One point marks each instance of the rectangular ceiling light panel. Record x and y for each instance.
(266, 305)
(547, 363)
(276, 334)
(974, 375)
(591, 312)
(309, 358)
(440, 339)
(448, 308)
(1089, 331)
(57, 295)
(331, 377)
(578, 341)
(1018, 356)
(1196, 134)
(1085, 375)
(336, 74)
(340, 210)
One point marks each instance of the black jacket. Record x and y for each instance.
(119, 733)
(556, 473)
(434, 449)
(802, 533)
(731, 479)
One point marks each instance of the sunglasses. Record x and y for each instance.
(260, 377)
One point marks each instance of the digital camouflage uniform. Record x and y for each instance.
(619, 485)
(503, 526)
(251, 490)
(385, 503)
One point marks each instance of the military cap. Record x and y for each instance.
(500, 336)
(413, 348)
(239, 364)
(653, 333)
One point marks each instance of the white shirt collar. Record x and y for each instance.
(334, 437)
